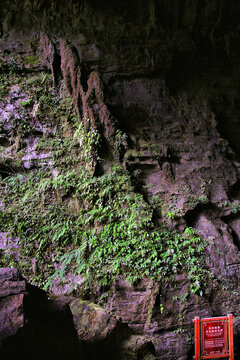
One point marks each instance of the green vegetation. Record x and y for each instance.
(70, 221)
(235, 207)
(31, 60)
(120, 140)
(98, 227)
(26, 102)
(111, 230)
(6, 258)
(3, 84)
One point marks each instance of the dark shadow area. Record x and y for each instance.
(106, 151)
(225, 107)
(129, 117)
(229, 220)
(5, 171)
(57, 68)
(4, 142)
(235, 238)
(109, 348)
(188, 68)
(48, 332)
(191, 353)
(192, 216)
(235, 191)
(84, 78)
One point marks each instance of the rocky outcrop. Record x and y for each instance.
(65, 328)
(71, 72)
(49, 56)
(87, 93)
(12, 290)
(165, 75)
(103, 333)
(30, 325)
(91, 321)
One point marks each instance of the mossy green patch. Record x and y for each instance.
(31, 60)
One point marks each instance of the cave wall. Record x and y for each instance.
(166, 73)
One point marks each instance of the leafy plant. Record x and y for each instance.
(26, 103)
(120, 140)
(235, 207)
(112, 234)
(71, 221)
(170, 215)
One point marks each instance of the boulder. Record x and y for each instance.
(12, 291)
(31, 325)
(91, 321)
(138, 347)
(106, 336)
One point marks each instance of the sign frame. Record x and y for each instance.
(226, 325)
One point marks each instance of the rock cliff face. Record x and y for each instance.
(158, 81)
(32, 326)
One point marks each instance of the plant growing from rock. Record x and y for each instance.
(70, 221)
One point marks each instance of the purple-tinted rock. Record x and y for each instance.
(11, 315)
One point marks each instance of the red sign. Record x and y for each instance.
(214, 338)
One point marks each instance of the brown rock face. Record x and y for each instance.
(104, 334)
(91, 321)
(49, 56)
(71, 72)
(87, 94)
(12, 290)
(12, 318)
(165, 74)
(30, 324)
